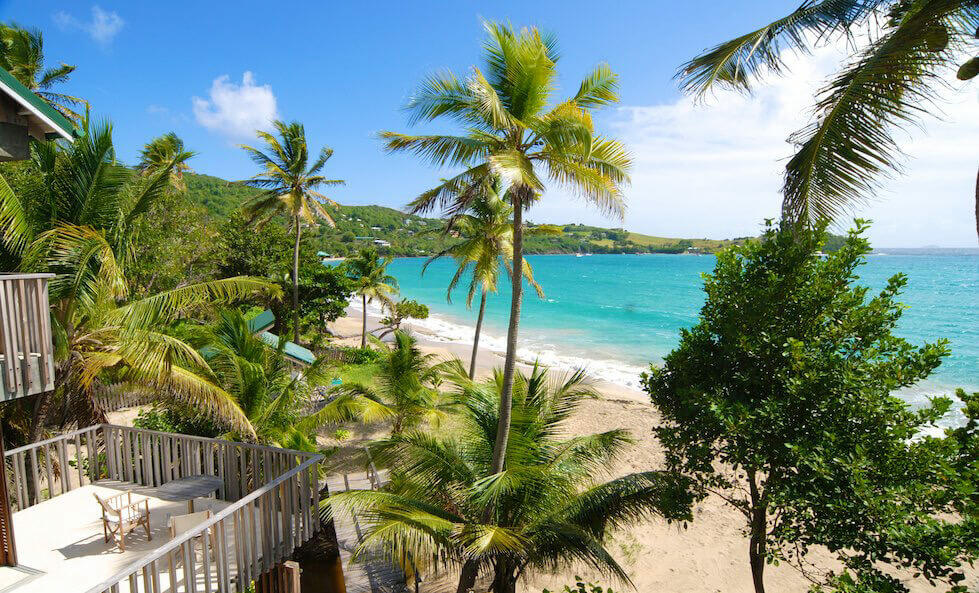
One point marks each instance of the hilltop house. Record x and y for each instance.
(238, 510)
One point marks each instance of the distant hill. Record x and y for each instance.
(409, 235)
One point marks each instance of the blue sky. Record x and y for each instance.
(344, 69)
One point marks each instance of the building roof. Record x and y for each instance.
(290, 350)
(261, 322)
(36, 108)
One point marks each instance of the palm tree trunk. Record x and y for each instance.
(295, 284)
(467, 579)
(479, 326)
(977, 204)
(509, 366)
(363, 333)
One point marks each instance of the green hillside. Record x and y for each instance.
(410, 235)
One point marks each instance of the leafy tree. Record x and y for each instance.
(323, 291)
(553, 506)
(889, 83)
(174, 239)
(290, 182)
(166, 151)
(401, 311)
(404, 390)
(486, 231)
(370, 278)
(79, 222)
(323, 294)
(779, 401)
(513, 128)
(243, 252)
(22, 55)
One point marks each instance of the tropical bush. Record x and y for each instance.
(552, 507)
(780, 401)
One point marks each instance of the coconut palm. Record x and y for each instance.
(404, 391)
(487, 242)
(513, 128)
(290, 182)
(371, 281)
(275, 400)
(552, 505)
(78, 222)
(22, 55)
(889, 83)
(166, 151)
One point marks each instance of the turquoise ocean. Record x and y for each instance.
(614, 315)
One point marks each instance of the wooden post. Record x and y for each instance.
(8, 553)
(283, 578)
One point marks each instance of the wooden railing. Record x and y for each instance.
(26, 354)
(274, 492)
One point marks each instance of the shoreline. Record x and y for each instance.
(613, 378)
(708, 555)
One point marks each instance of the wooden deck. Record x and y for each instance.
(371, 575)
(61, 542)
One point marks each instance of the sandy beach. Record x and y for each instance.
(710, 555)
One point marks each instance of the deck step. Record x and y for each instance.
(371, 574)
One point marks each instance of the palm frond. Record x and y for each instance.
(737, 62)
(890, 84)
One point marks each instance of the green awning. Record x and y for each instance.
(292, 351)
(261, 322)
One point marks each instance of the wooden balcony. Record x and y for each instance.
(265, 507)
(26, 353)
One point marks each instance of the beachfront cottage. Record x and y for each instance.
(113, 509)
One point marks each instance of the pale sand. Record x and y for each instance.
(709, 555)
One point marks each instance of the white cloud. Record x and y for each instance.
(715, 170)
(236, 111)
(103, 26)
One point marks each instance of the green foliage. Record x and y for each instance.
(401, 311)
(174, 417)
(174, 245)
(581, 586)
(889, 83)
(22, 55)
(362, 355)
(323, 291)
(341, 434)
(780, 400)
(79, 218)
(403, 389)
(553, 505)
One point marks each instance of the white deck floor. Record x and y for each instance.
(61, 539)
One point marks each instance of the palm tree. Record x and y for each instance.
(553, 506)
(22, 55)
(290, 183)
(889, 83)
(487, 242)
(273, 399)
(405, 390)
(371, 281)
(513, 128)
(166, 151)
(78, 222)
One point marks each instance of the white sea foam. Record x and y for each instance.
(441, 330)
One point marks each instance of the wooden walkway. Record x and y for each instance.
(370, 575)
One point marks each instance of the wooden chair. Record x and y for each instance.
(121, 515)
(181, 523)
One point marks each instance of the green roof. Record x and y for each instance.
(290, 350)
(261, 322)
(37, 106)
